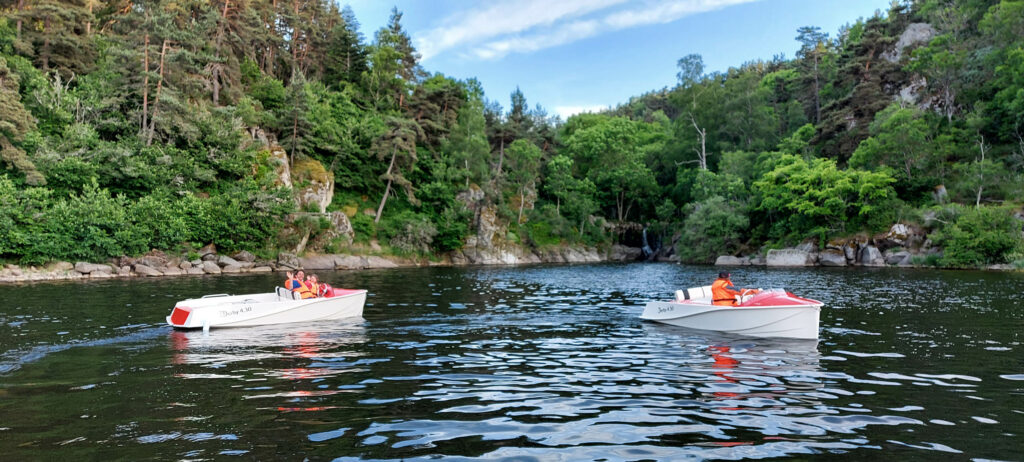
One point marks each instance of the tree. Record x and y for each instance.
(611, 154)
(15, 122)
(815, 194)
(524, 169)
(346, 54)
(814, 45)
(398, 143)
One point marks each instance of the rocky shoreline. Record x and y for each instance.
(208, 262)
(902, 246)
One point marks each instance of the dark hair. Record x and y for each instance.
(724, 274)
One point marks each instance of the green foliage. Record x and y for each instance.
(817, 194)
(712, 227)
(980, 236)
(408, 232)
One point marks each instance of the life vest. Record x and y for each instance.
(721, 294)
(300, 288)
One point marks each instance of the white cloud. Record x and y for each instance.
(565, 111)
(501, 18)
(532, 25)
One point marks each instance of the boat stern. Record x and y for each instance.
(180, 316)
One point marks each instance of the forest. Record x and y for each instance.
(127, 126)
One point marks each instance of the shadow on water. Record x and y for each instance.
(527, 363)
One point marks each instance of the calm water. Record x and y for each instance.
(529, 363)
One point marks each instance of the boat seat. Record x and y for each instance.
(694, 293)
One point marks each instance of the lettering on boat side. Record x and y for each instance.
(663, 309)
(226, 313)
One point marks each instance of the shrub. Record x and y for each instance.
(713, 228)
(408, 232)
(980, 236)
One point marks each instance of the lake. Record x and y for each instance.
(518, 363)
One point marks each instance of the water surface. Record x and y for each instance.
(518, 363)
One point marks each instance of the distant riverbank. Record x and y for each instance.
(208, 262)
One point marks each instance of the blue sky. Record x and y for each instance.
(571, 56)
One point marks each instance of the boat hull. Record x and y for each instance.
(263, 309)
(793, 321)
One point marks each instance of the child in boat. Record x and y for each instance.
(296, 284)
(321, 289)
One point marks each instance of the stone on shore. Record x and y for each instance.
(788, 257)
(225, 260)
(89, 268)
(871, 256)
(146, 270)
(261, 269)
(244, 256)
(379, 262)
(729, 260)
(173, 271)
(623, 253)
(832, 257)
(211, 268)
(231, 269)
(209, 249)
(318, 262)
(195, 271)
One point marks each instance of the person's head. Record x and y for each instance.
(299, 275)
(313, 277)
(724, 275)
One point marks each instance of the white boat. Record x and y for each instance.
(770, 313)
(279, 307)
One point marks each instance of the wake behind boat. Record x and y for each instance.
(770, 313)
(279, 307)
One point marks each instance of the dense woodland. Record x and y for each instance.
(129, 126)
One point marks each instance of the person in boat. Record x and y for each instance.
(723, 293)
(295, 283)
(314, 285)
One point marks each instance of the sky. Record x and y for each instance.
(572, 56)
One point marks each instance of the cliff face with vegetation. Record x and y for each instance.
(278, 127)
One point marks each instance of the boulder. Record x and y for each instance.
(832, 257)
(207, 249)
(318, 262)
(892, 257)
(261, 269)
(871, 256)
(379, 262)
(278, 159)
(757, 260)
(231, 269)
(195, 270)
(915, 33)
(211, 257)
(244, 256)
(625, 253)
(59, 267)
(185, 265)
(197, 263)
(288, 260)
(143, 269)
(315, 185)
(807, 246)
(89, 268)
(173, 271)
(154, 258)
(788, 257)
(729, 260)
(225, 260)
(124, 271)
(210, 267)
(349, 262)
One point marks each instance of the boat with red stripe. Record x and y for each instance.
(278, 307)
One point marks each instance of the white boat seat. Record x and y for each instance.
(694, 293)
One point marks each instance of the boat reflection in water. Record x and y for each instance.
(296, 351)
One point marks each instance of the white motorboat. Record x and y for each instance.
(279, 307)
(770, 313)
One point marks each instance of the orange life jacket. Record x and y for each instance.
(301, 288)
(721, 294)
